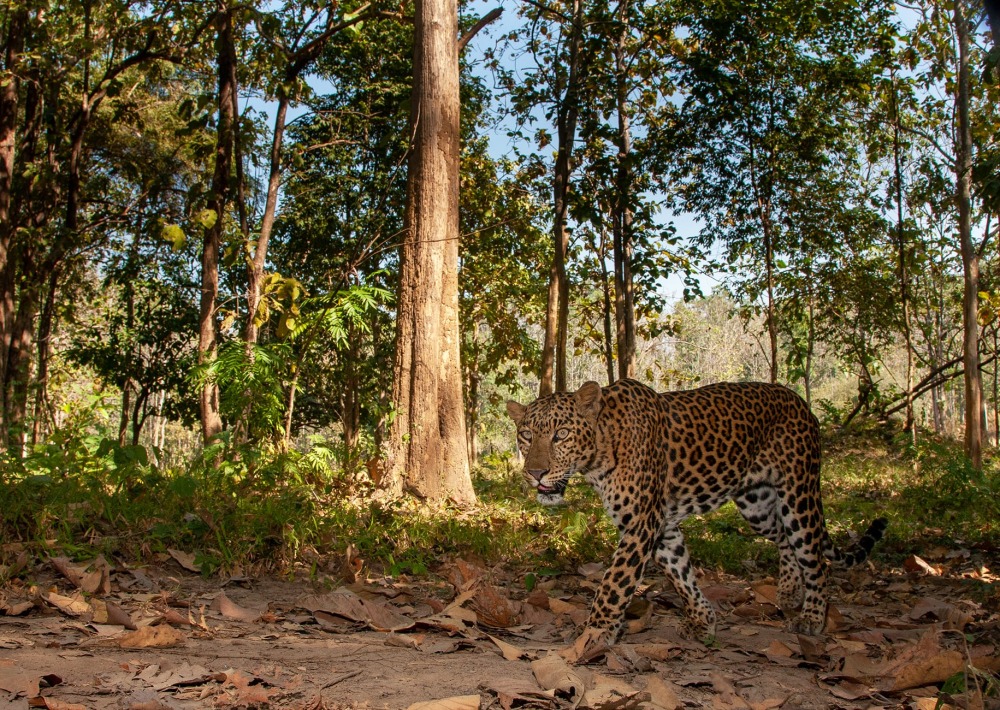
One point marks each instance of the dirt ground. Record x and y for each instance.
(106, 635)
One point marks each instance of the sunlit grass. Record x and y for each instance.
(270, 512)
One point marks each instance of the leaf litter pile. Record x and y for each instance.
(103, 634)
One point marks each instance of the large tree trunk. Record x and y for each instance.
(211, 420)
(970, 257)
(428, 453)
(554, 348)
(12, 48)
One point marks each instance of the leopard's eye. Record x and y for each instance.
(560, 435)
(525, 434)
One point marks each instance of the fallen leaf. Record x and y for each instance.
(726, 695)
(813, 649)
(511, 693)
(606, 693)
(951, 616)
(185, 560)
(848, 690)
(72, 606)
(347, 604)
(663, 694)
(553, 673)
(919, 566)
(183, 675)
(15, 608)
(765, 593)
(592, 570)
(18, 684)
(508, 650)
(658, 651)
(152, 637)
(73, 572)
(458, 702)
(778, 650)
(231, 610)
(589, 645)
(493, 608)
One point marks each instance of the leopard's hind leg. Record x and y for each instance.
(759, 506)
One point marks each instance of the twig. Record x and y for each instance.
(340, 678)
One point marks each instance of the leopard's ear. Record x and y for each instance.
(588, 400)
(516, 411)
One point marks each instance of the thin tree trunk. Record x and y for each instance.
(211, 420)
(554, 348)
(44, 347)
(970, 257)
(902, 270)
(772, 322)
(621, 219)
(428, 454)
(255, 270)
(609, 355)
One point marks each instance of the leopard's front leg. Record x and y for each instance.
(619, 584)
(672, 556)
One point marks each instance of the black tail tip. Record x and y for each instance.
(878, 527)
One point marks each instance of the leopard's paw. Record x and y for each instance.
(590, 644)
(698, 631)
(807, 624)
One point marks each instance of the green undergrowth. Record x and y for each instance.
(239, 507)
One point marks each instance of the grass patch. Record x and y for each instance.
(268, 510)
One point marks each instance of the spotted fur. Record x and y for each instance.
(657, 458)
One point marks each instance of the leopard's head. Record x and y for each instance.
(556, 436)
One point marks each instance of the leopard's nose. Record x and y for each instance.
(537, 473)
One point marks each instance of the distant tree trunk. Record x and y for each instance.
(609, 355)
(473, 378)
(352, 401)
(255, 268)
(810, 342)
(211, 420)
(44, 348)
(19, 360)
(428, 454)
(772, 322)
(902, 269)
(554, 348)
(970, 256)
(621, 218)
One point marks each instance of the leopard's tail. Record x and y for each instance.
(859, 551)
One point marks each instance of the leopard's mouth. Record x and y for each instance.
(542, 488)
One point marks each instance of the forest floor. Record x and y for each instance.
(921, 635)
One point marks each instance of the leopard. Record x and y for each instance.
(656, 458)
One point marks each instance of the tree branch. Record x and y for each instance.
(486, 19)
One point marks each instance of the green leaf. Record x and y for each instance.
(175, 235)
(206, 218)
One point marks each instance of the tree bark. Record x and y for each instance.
(44, 348)
(428, 454)
(12, 48)
(609, 355)
(554, 348)
(902, 269)
(211, 420)
(621, 219)
(970, 256)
